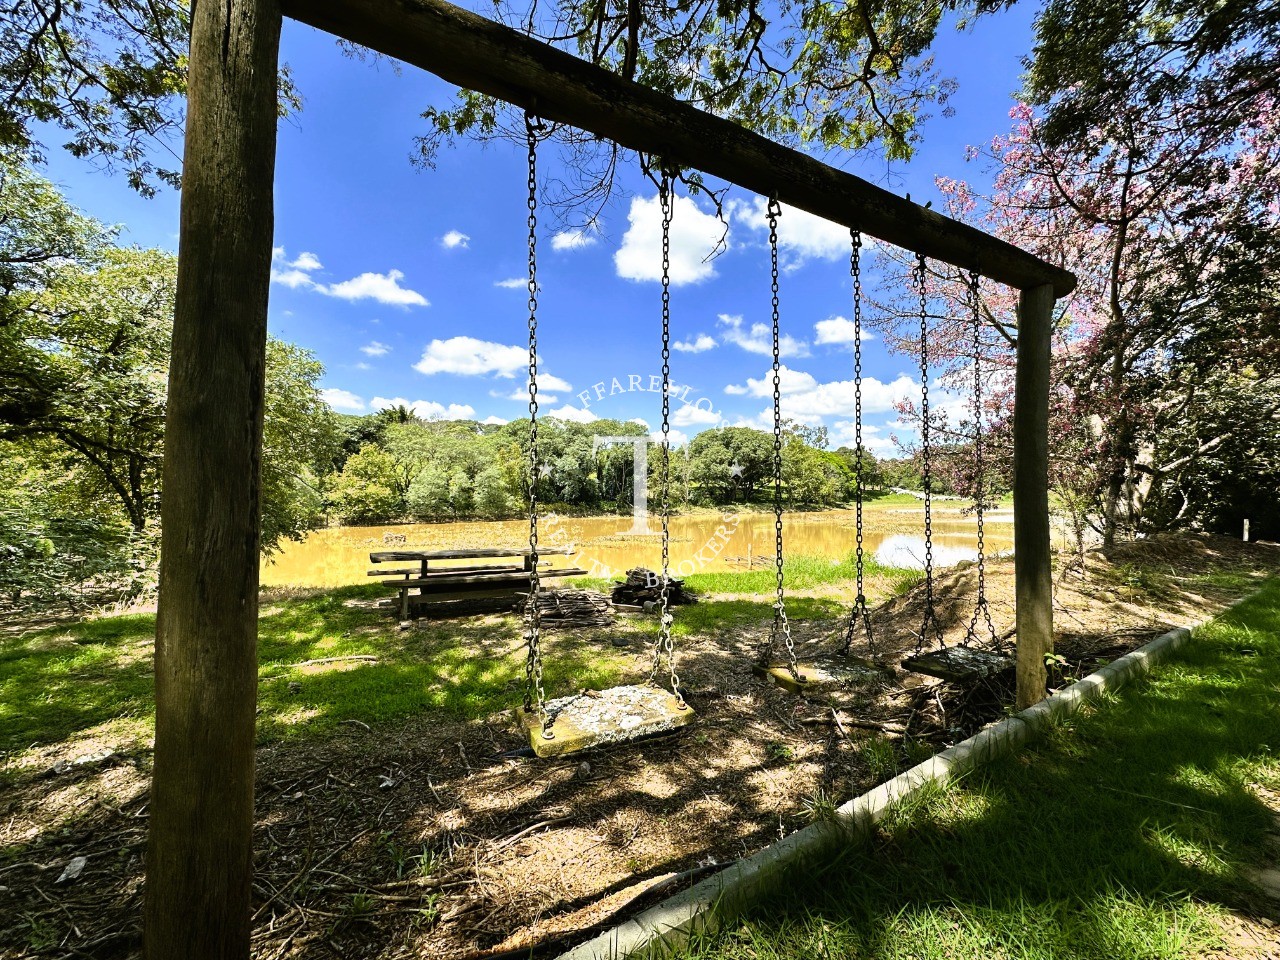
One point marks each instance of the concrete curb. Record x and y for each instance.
(723, 897)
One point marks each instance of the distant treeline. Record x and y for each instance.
(393, 466)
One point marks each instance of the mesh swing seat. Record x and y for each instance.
(825, 672)
(963, 662)
(594, 718)
(958, 664)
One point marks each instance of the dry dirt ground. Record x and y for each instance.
(420, 839)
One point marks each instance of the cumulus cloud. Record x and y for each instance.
(838, 331)
(698, 344)
(695, 236)
(677, 438)
(342, 400)
(381, 287)
(789, 381)
(573, 414)
(427, 409)
(691, 415)
(494, 421)
(454, 239)
(759, 338)
(801, 236)
(574, 239)
(471, 357)
(375, 349)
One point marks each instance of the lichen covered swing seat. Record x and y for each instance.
(963, 662)
(831, 670)
(593, 718)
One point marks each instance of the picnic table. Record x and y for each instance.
(443, 584)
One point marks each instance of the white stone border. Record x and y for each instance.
(721, 898)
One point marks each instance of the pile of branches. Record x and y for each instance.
(574, 608)
(643, 586)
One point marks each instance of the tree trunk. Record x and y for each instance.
(199, 855)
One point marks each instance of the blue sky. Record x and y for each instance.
(408, 283)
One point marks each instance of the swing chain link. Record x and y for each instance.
(859, 614)
(780, 624)
(664, 645)
(930, 624)
(981, 607)
(532, 615)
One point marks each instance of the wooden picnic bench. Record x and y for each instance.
(441, 584)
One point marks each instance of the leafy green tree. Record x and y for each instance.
(731, 464)
(85, 329)
(367, 489)
(493, 494)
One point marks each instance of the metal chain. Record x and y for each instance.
(981, 607)
(859, 615)
(532, 615)
(780, 627)
(930, 624)
(664, 645)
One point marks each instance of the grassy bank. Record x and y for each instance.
(1131, 831)
(329, 658)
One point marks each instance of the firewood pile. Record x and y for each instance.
(644, 586)
(565, 608)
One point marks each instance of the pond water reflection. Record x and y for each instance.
(893, 535)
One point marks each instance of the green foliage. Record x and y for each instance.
(85, 328)
(368, 488)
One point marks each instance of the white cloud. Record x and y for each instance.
(574, 239)
(801, 236)
(513, 283)
(295, 274)
(691, 415)
(471, 357)
(382, 287)
(293, 279)
(574, 414)
(363, 366)
(375, 349)
(789, 381)
(839, 331)
(695, 236)
(759, 339)
(427, 409)
(844, 434)
(494, 421)
(697, 345)
(836, 398)
(454, 239)
(677, 438)
(342, 400)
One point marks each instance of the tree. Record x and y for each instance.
(367, 490)
(85, 330)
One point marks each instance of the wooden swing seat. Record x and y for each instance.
(597, 717)
(822, 673)
(958, 664)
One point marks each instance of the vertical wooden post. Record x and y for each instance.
(199, 854)
(1032, 560)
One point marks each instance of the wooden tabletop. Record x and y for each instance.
(470, 553)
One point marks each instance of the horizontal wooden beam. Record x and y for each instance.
(473, 52)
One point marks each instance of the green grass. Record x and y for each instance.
(801, 573)
(56, 683)
(1125, 833)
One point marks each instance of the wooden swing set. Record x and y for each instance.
(201, 809)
